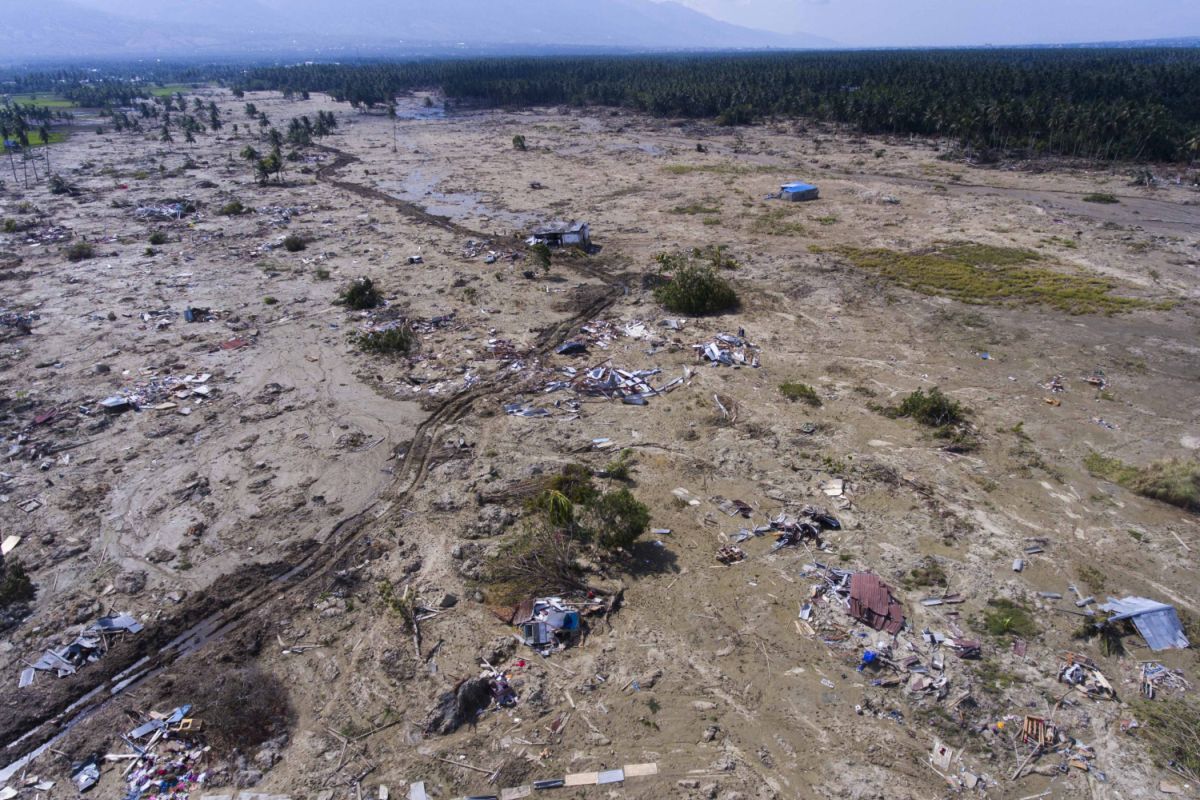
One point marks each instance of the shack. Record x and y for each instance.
(797, 192)
(574, 234)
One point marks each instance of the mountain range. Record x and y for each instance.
(67, 29)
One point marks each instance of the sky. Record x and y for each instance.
(963, 22)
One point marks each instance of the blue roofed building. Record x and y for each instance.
(796, 192)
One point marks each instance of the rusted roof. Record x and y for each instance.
(523, 612)
(871, 602)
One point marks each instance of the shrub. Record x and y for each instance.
(1100, 197)
(15, 585)
(933, 409)
(232, 209)
(270, 301)
(621, 468)
(242, 707)
(693, 288)
(618, 519)
(360, 295)
(542, 560)
(541, 255)
(158, 237)
(294, 243)
(800, 392)
(80, 251)
(398, 340)
(518, 143)
(60, 185)
(928, 573)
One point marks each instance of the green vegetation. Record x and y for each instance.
(933, 409)
(928, 573)
(982, 274)
(621, 468)
(270, 301)
(617, 519)
(1175, 481)
(398, 340)
(518, 143)
(1171, 730)
(1101, 197)
(692, 285)
(15, 585)
(233, 208)
(1095, 581)
(1004, 618)
(706, 207)
(158, 238)
(43, 100)
(800, 392)
(294, 243)
(360, 295)
(541, 255)
(80, 251)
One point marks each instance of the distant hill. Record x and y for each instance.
(177, 28)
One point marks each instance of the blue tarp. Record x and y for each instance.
(1157, 622)
(797, 187)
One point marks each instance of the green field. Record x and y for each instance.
(44, 100)
(56, 137)
(174, 88)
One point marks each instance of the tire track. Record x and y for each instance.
(198, 627)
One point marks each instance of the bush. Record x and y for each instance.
(15, 585)
(1100, 197)
(232, 209)
(518, 143)
(694, 288)
(618, 519)
(294, 243)
(541, 255)
(399, 340)
(360, 295)
(800, 392)
(80, 251)
(933, 409)
(242, 707)
(270, 301)
(542, 560)
(158, 237)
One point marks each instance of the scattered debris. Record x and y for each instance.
(88, 647)
(728, 350)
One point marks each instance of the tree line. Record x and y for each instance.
(1107, 104)
(1128, 104)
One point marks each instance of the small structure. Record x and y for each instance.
(575, 234)
(872, 603)
(547, 624)
(796, 192)
(1158, 623)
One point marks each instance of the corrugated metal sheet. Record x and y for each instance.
(871, 602)
(1158, 623)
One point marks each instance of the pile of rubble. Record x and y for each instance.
(157, 394)
(612, 383)
(728, 350)
(89, 646)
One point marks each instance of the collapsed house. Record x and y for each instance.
(573, 234)
(88, 647)
(547, 624)
(865, 597)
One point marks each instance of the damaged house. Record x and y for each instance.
(574, 234)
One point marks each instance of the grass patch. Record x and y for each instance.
(158, 238)
(987, 275)
(778, 222)
(233, 208)
(1171, 732)
(928, 573)
(1095, 581)
(1175, 481)
(693, 209)
(1101, 197)
(800, 392)
(43, 100)
(1005, 619)
(294, 243)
